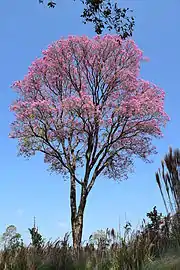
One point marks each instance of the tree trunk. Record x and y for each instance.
(77, 214)
(77, 227)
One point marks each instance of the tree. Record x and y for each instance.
(102, 238)
(103, 14)
(171, 178)
(83, 105)
(10, 238)
(36, 237)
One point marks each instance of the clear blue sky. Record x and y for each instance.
(27, 188)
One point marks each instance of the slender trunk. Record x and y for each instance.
(77, 227)
(77, 214)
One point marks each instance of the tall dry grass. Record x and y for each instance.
(136, 250)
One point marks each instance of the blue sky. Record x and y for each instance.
(27, 188)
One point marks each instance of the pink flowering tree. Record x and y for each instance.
(83, 104)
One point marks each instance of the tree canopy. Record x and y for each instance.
(83, 104)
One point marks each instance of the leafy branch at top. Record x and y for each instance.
(105, 15)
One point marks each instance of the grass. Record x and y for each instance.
(154, 246)
(170, 261)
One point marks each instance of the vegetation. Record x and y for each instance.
(83, 104)
(105, 15)
(169, 175)
(116, 122)
(154, 246)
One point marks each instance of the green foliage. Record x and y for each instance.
(36, 237)
(11, 239)
(105, 15)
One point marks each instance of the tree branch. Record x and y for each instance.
(68, 166)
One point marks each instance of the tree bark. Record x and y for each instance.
(77, 227)
(77, 214)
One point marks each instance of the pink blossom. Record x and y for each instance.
(84, 88)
